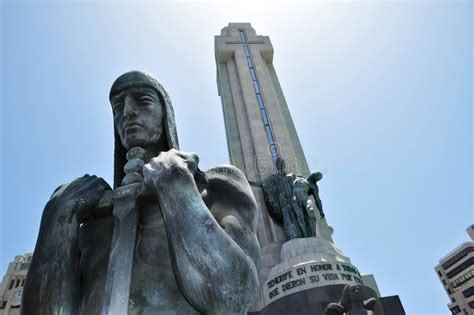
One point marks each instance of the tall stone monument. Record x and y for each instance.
(301, 270)
(259, 127)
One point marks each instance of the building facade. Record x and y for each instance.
(12, 284)
(456, 273)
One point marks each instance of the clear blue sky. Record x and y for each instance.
(380, 93)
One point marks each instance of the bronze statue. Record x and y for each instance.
(278, 194)
(303, 207)
(352, 303)
(313, 179)
(287, 197)
(189, 236)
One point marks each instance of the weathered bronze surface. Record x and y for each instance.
(195, 250)
(288, 201)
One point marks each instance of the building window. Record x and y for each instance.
(3, 304)
(11, 284)
(246, 49)
(471, 304)
(439, 274)
(274, 150)
(264, 116)
(468, 292)
(17, 283)
(23, 282)
(252, 74)
(458, 257)
(243, 38)
(465, 278)
(449, 291)
(269, 134)
(468, 263)
(256, 87)
(455, 310)
(258, 92)
(260, 101)
(444, 282)
(249, 62)
(453, 300)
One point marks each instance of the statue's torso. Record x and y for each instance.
(153, 286)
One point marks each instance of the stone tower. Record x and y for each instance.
(258, 123)
(259, 130)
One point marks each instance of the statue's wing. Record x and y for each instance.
(271, 196)
(231, 201)
(214, 240)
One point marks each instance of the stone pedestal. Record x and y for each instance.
(311, 301)
(307, 264)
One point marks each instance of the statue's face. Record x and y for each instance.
(138, 117)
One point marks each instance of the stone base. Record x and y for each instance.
(302, 250)
(299, 265)
(392, 305)
(309, 302)
(309, 274)
(315, 300)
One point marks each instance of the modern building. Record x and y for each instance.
(12, 284)
(456, 273)
(299, 275)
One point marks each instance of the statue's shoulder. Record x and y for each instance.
(228, 188)
(77, 183)
(227, 175)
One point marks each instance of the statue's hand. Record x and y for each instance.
(169, 167)
(334, 309)
(80, 197)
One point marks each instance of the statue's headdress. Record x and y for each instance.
(141, 79)
(314, 177)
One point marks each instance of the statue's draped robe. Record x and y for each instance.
(69, 266)
(154, 288)
(278, 194)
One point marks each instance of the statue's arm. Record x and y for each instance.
(319, 204)
(53, 278)
(233, 205)
(215, 272)
(314, 191)
(53, 281)
(374, 305)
